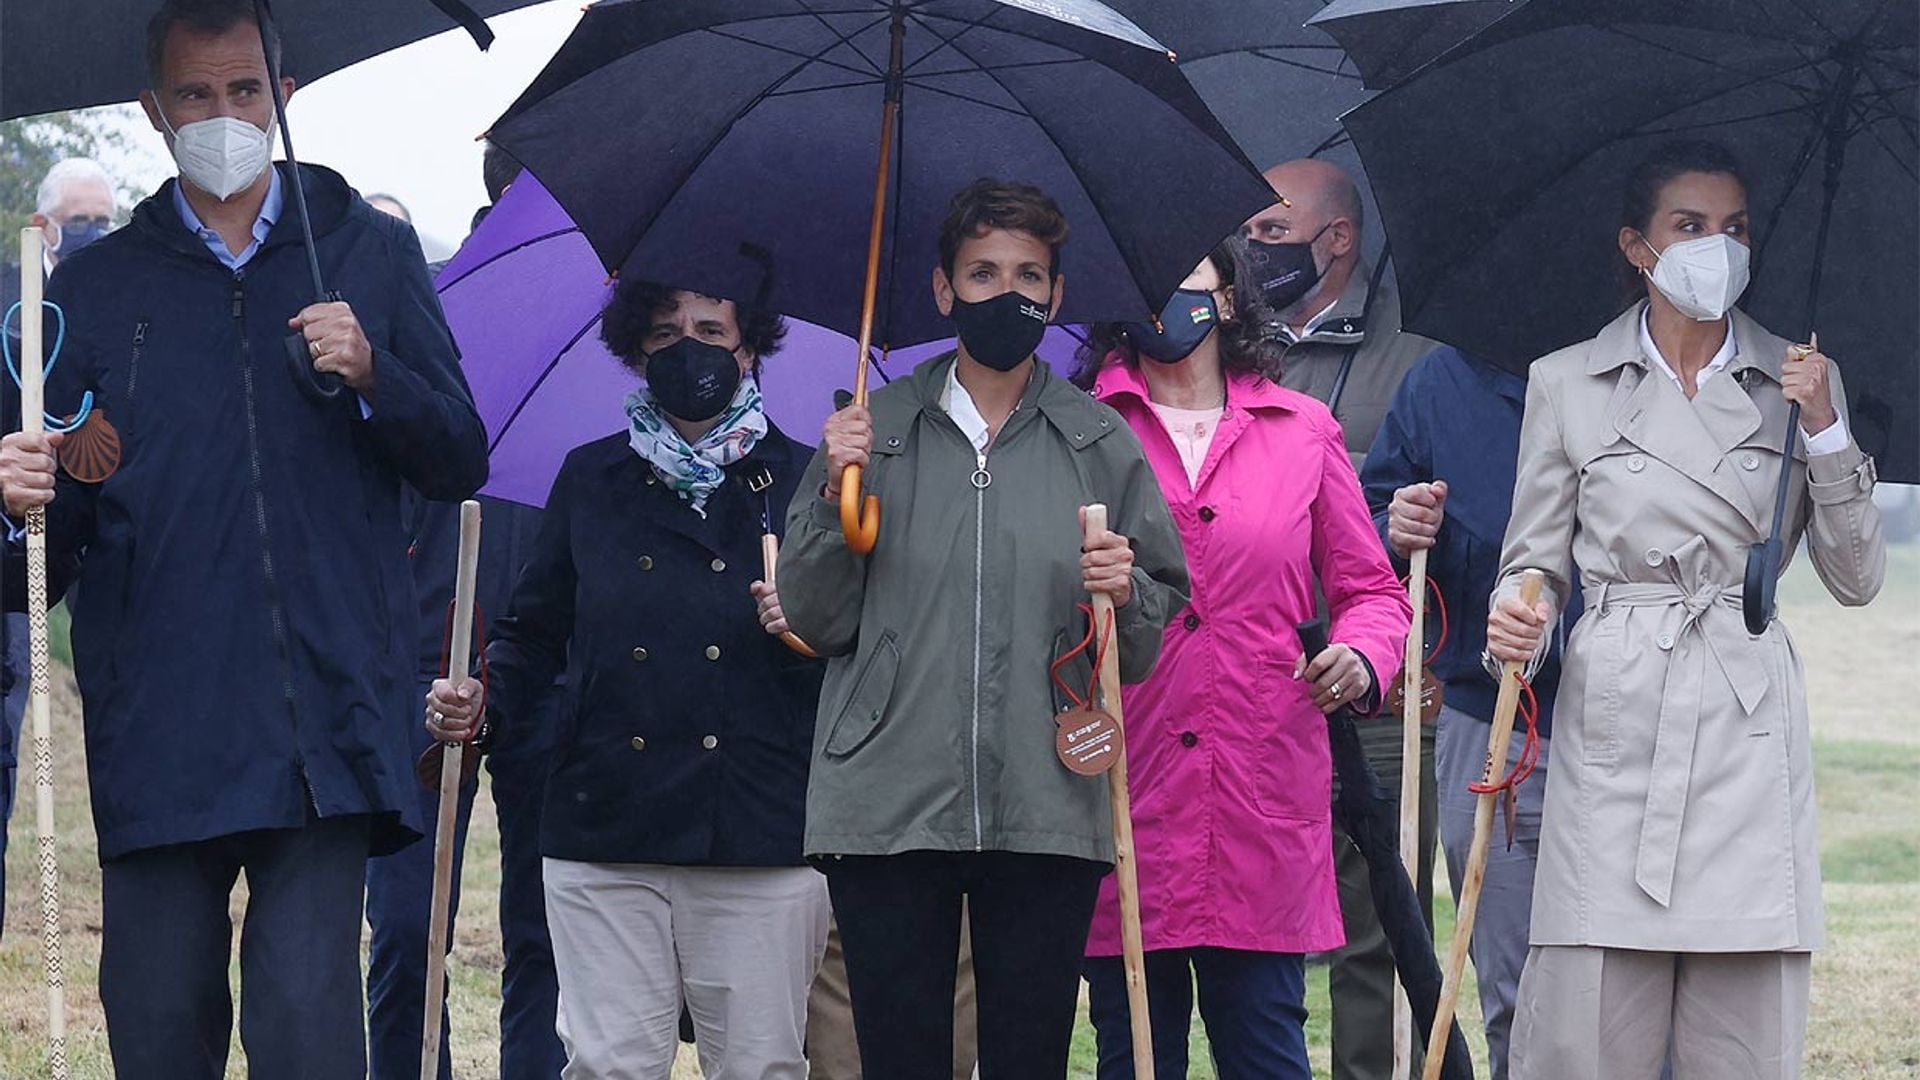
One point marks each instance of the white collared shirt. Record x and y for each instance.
(1312, 324)
(966, 415)
(1832, 440)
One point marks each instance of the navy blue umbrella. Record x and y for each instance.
(1388, 40)
(672, 131)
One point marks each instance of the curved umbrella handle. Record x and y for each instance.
(859, 520)
(769, 558)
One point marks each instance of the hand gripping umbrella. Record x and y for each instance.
(1367, 817)
(768, 138)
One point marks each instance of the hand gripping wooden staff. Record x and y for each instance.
(1413, 694)
(1132, 950)
(40, 687)
(1503, 709)
(450, 762)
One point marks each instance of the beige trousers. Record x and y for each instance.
(630, 941)
(831, 1048)
(1612, 1014)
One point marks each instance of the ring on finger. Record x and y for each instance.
(439, 719)
(314, 348)
(1335, 689)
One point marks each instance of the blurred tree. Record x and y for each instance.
(31, 146)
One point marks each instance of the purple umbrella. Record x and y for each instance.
(523, 297)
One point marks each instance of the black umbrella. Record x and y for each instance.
(41, 41)
(1373, 823)
(672, 130)
(1389, 40)
(1498, 170)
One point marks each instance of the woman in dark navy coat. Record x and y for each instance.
(671, 830)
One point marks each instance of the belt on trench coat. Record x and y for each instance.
(1693, 612)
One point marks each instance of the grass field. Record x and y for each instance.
(1866, 982)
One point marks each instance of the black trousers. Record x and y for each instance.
(899, 921)
(167, 939)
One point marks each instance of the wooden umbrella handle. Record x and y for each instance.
(1132, 948)
(1531, 582)
(1412, 690)
(438, 928)
(769, 558)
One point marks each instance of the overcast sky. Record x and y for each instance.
(404, 123)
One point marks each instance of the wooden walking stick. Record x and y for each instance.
(1413, 687)
(450, 763)
(40, 686)
(1132, 950)
(769, 557)
(1503, 709)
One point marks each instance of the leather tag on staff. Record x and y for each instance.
(1087, 740)
(1431, 695)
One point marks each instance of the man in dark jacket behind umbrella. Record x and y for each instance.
(243, 630)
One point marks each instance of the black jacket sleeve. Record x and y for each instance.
(527, 648)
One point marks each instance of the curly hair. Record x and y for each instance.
(629, 314)
(1246, 343)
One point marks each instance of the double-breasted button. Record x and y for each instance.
(1636, 463)
(719, 566)
(711, 742)
(1207, 513)
(639, 743)
(1750, 461)
(1655, 556)
(713, 652)
(1666, 641)
(639, 654)
(645, 562)
(1189, 739)
(1191, 622)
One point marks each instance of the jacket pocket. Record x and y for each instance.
(860, 717)
(1600, 703)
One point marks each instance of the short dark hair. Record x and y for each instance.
(629, 314)
(200, 17)
(1247, 342)
(1650, 176)
(497, 170)
(1001, 204)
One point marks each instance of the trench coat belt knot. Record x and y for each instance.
(1701, 624)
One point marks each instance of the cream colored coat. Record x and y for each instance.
(1679, 813)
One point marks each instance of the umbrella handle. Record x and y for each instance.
(859, 519)
(769, 557)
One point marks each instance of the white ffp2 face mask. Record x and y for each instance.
(1702, 277)
(221, 156)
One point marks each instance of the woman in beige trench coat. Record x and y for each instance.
(1678, 893)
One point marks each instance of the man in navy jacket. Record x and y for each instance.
(243, 631)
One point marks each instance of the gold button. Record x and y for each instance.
(646, 562)
(639, 743)
(711, 742)
(639, 653)
(719, 565)
(713, 652)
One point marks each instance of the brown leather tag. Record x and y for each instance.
(1088, 740)
(1430, 696)
(91, 452)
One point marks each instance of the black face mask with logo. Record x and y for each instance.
(692, 380)
(1001, 332)
(1285, 272)
(1185, 322)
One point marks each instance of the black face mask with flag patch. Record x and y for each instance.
(1003, 331)
(1186, 320)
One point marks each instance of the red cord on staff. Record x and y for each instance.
(1440, 608)
(1099, 657)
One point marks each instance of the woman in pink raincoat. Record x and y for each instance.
(1227, 741)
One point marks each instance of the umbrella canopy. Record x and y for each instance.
(523, 297)
(672, 130)
(1499, 171)
(70, 54)
(1388, 40)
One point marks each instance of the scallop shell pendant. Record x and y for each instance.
(91, 452)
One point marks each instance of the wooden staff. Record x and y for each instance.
(1413, 694)
(1503, 709)
(769, 557)
(40, 685)
(450, 763)
(1132, 949)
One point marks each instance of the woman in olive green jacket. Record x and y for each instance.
(935, 775)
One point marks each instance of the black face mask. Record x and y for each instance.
(1285, 272)
(1185, 322)
(1003, 331)
(692, 380)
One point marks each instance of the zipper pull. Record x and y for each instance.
(239, 302)
(981, 478)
